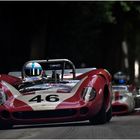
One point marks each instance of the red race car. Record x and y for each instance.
(54, 91)
(124, 94)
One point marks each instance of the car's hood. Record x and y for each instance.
(47, 99)
(42, 100)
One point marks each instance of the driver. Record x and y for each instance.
(120, 78)
(33, 72)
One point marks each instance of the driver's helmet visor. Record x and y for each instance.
(33, 71)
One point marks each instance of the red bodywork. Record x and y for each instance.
(74, 108)
(121, 106)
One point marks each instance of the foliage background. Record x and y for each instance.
(89, 33)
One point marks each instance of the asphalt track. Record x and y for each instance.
(120, 127)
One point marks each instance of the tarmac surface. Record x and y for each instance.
(120, 127)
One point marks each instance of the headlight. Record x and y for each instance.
(2, 97)
(88, 94)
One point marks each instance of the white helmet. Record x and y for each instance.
(33, 69)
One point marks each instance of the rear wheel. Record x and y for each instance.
(101, 117)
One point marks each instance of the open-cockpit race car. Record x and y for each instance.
(49, 91)
(124, 94)
(123, 99)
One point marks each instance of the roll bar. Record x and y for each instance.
(64, 61)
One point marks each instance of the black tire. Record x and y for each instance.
(101, 117)
(109, 114)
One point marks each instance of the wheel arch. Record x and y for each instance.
(107, 96)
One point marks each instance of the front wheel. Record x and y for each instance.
(101, 117)
(109, 114)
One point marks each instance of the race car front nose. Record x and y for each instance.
(61, 114)
(49, 113)
(43, 114)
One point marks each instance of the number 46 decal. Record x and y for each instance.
(49, 98)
